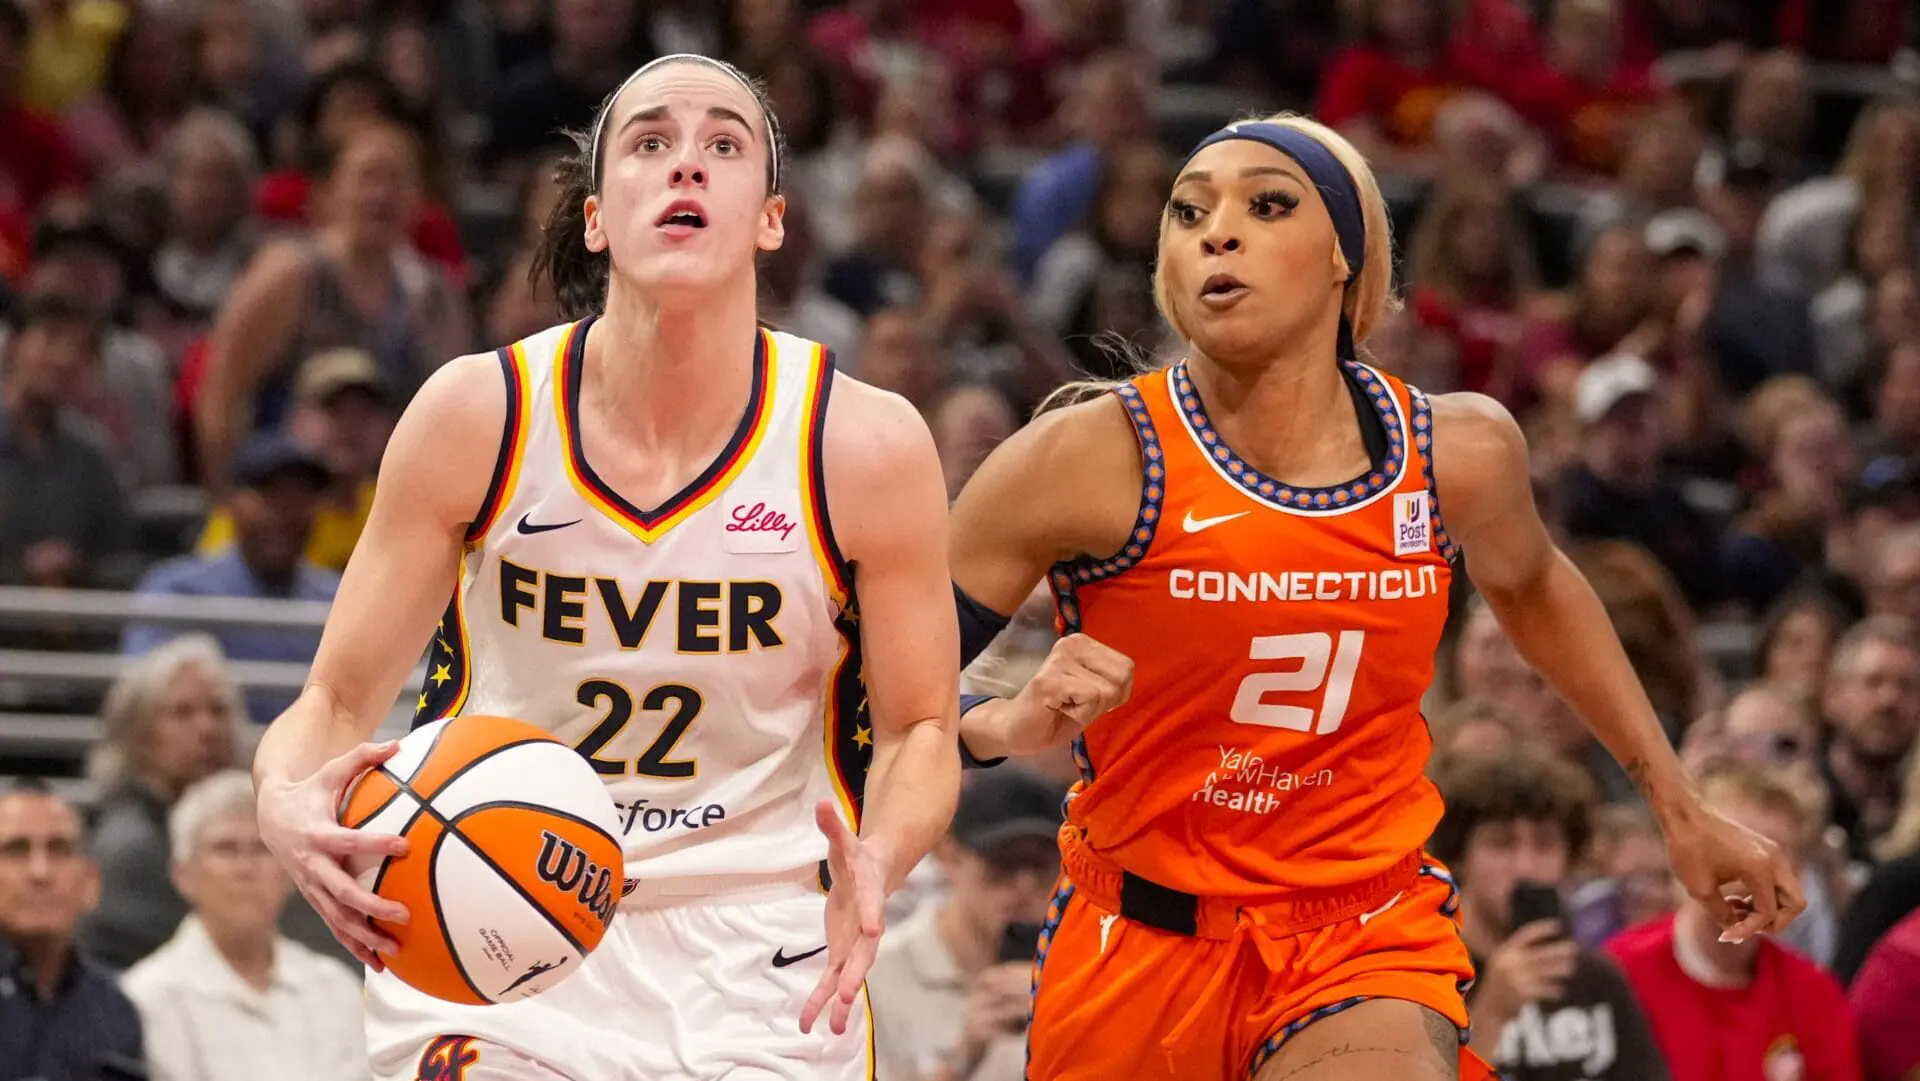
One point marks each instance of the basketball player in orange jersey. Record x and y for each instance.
(1251, 551)
(656, 519)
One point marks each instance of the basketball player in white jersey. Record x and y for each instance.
(657, 518)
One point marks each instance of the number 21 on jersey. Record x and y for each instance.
(1326, 664)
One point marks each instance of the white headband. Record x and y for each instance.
(600, 121)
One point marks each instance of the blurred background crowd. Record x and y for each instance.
(1678, 238)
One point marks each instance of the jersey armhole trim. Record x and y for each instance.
(1423, 440)
(506, 466)
(1071, 572)
(834, 568)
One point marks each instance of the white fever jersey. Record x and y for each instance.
(703, 654)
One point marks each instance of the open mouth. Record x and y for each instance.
(1220, 285)
(683, 212)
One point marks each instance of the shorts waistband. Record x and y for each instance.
(1106, 885)
(680, 891)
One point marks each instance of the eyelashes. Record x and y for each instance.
(1267, 205)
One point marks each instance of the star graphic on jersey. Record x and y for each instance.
(442, 674)
(863, 736)
(423, 701)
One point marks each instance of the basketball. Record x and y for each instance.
(514, 866)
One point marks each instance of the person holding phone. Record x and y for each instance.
(952, 983)
(1544, 1008)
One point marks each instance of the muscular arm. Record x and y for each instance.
(888, 503)
(1068, 484)
(433, 478)
(1546, 606)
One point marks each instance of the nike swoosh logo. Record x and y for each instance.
(1391, 901)
(528, 527)
(781, 960)
(1195, 525)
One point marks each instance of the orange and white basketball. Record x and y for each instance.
(514, 868)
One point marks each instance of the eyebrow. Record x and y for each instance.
(1202, 176)
(660, 112)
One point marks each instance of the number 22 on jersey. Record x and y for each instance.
(1326, 664)
(686, 703)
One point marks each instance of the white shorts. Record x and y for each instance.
(683, 988)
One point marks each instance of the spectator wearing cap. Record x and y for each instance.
(227, 996)
(1886, 1000)
(278, 489)
(951, 984)
(79, 260)
(63, 517)
(1749, 1009)
(36, 161)
(61, 1017)
(342, 414)
(1618, 490)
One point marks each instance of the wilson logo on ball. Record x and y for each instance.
(570, 871)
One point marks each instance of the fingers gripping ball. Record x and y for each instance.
(513, 868)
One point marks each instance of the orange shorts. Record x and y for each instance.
(1115, 997)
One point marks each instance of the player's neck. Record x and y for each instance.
(1287, 417)
(672, 371)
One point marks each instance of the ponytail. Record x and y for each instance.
(578, 276)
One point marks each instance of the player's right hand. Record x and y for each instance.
(1080, 680)
(1532, 965)
(299, 821)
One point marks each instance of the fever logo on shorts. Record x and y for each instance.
(447, 1058)
(570, 871)
(1412, 529)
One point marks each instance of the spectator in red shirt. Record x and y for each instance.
(1384, 91)
(36, 160)
(1583, 95)
(1740, 1011)
(341, 100)
(1473, 270)
(1886, 998)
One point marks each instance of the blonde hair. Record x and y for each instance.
(1370, 295)
(1724, 786)
(136, 695)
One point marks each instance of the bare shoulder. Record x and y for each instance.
(1479, 458)
(1065, 485)
(282, 261)
(444, 448)
(867, 425)
(885, 491)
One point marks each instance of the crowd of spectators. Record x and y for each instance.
(1679, 239)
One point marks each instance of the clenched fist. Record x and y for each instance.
(1080, 680)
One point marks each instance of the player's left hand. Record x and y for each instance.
(1741, 877)
(856, 910)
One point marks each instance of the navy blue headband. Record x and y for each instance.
(1336, 186)
(1335, 183)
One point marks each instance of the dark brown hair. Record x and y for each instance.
(577, 275)
(1524, 787)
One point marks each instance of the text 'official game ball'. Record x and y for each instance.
(514, 868)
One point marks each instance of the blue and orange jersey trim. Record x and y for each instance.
(513, 441)
(650, 525)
